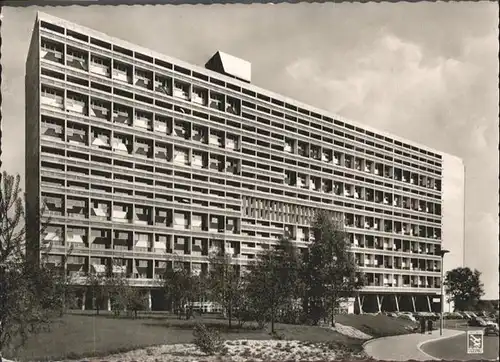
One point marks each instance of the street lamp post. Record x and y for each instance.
(441, 319)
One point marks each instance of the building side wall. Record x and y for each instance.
(453, 214)
(32, 144)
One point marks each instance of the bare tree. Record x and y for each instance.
(30, 293)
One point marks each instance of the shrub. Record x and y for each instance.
(278, 336)
(207, 340)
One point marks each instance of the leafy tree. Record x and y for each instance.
(30, 296)
(136, 300)
(173, 281)
(271, 281)
(63, 286)
(226, 284)
(116, 287)
(330, 272)
(123, 296)
(97, 286)
(488, 306)
(464, 287)
(183, 289)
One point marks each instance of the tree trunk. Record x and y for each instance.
(333, 311)
(229, 315)
(305, 306)
(272, 320)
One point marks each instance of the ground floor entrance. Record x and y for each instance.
(391, 302)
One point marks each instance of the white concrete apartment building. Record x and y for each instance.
(146, 161)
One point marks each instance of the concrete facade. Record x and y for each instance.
(146, 162)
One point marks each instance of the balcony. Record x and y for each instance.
(231, 144)
(216, 101)
(52, 237)
(120, 216)
(99, 214)
(199, 134)
(163, 87)
(216, 165)
(181, 158)
(121, 75)
(142, 122)
(98, 66)
(326, 157)
(141, 243)
(160, 127)
(197, 161)
(99, 268)
(142, 150)
(142, 219)
(303, 151)
(182, 131)
(161, 155)
(119, 146)
(122, 117)
(199, 98)
(51, 53)
(215, 140)
(99, 111)
(142, 80)
(181, 93)
(160, 247)
(53, 131)
(52, 100)
(101, 141)
(78, 62)
(233, 109)
(75, 106)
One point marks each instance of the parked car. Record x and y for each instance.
(490, 321)
(477, 322)
(407, 313)
(465, 315)
(491, 329)
(472, 314)
(407, 317)
(452, 315)
(392, 314)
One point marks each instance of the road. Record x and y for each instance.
(455, 348)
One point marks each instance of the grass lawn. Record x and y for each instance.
(81, 335)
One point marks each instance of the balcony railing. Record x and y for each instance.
(100, 69)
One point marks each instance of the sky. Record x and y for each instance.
(424, 71)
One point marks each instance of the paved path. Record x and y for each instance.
(405, 347)
(453, 349)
